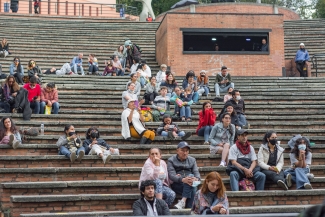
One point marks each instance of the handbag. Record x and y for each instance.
(147, 115)
(48, 110)
(246, 185)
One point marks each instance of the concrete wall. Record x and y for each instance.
(169, 40)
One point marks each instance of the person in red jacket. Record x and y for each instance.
(34, 94)
(207, 118)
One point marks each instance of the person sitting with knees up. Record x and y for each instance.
(34, 70)
(49, 97)
(133, 79)
(70, 144)
(156, 169)
(191, 82)
(242, 163)
(169, 129)
(132, 124)
(93, 64)
(34, 94)
(152, 90)
(170, 83)
(207, 118)
(148, 204)
(233, 115)
(228, 96)
(270, 159)
(109, 70)
(183, 171)
(300, 158)
(95, 146)
(161, 104)
(203, 84)
(211, 198)
(9, 133)
(222, 137)
(182, 104)
(223, 81)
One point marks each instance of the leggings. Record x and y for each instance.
(147, 134)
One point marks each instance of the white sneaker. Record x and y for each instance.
(310, 175)
(15, 144)
(106, 157)
(222, 164)
(116, 151)
(307, 186)
(180, 204)
(282, 185)
(206, 143)
(288, 180)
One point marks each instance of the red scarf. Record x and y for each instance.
(243, 149)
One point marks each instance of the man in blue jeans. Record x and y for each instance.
(183, 171)
(76, 64)
(242, 156)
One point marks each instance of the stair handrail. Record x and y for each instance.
(314, 61)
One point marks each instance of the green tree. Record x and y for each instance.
(319, 9)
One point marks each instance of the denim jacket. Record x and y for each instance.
(217, 131)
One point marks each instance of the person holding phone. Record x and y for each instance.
(270, 159)
(223, 82)
(34, 94)
(211, 198)
(70, 144)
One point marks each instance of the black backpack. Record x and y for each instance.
(138, 47)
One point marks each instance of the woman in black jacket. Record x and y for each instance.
(34, 70)
(4, 48)
(234, 119)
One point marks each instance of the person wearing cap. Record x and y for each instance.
(132, 53)
(161, 75)
(49, 97)
(133, 79)
(183, 171)
(243, 163)
(265, 46)
(161, 104)
(132, 124)
(223, 82)
(203, 83)
(301, 58)
(191, 81)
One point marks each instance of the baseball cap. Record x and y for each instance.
(130, 100)
(183, 144)
(241, 131)
(302, 44)
(127, 43)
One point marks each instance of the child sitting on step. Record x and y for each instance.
(96, 146)
(169, 129)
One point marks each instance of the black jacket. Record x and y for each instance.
(31, 72)
(6, 47)
(140, 207)
(100, 142)
(239, 108)
(22, 103)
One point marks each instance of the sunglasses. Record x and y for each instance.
(17, 61)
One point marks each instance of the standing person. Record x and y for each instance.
(117, 64)
(161, 75)
(121, 55)
(156, 169)
(17, 70)
(300, 158)
(36, 6)
(93, 64)
(132, 53)
(301, 58)
(223, 81)
(270, 159)
(203, 83)
(207, 118)
(152, 89)
(183, 171)
(170, 83)
(148, 204)
(222, 137)
(211, 198)
(243, 163)
(191, 82)
(9, 133)
(149, 18)
(76, 64)
(34, 94)
(34, 70)
(49, 97)
(265, 46)
(70, 144)
(4, 48)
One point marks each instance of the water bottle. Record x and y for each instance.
(42, 129)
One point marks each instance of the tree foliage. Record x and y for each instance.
(319, 9)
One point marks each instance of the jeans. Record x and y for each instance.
(186, 191)
(119, 72)
(273, 176)
(142, 81)
(65, 151)
(259, 179)
(241, 120)
(185, 111)
(75, 69)
(195, 97)
(55, 107)
(18, 78)
(298, 176)
(93, 69)
(223, 89)
(203, 89)
(205, 131)
(5, 106)
(181, 133)
(35, 105)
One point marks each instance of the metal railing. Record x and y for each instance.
(67, 8)
(314, 61)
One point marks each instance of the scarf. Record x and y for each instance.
(243, 149)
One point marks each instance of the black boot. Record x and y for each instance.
(149, 141)
(143, 140)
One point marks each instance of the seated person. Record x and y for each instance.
(109, 70)
(169, 129)
(4, 105)
(203, 84)
(70, 144)
(4, 48)
(233, 115)
(132, 124)
(161, 104)
(183, 103)
(76, 64)
(135, 65)
(211, 198)
(148, 204)
(270, 159)
(146, 71)
(34, 70)
(170, 83)
(151, 93)
(137, 89)
(223, 81)
(243, 157)
(117, 64)
(9, 134)
(93, 64)
(34, 94)
(222, 137)
(300, 158)
(191, 82)
(155, 169)
(49, 97)
(161, 75)
(129, 94)
(10, 91)
(207, 118)
(17, 70)
(183, 171)
(228, 96)
(95, 146)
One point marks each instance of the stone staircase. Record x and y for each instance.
(35, 181)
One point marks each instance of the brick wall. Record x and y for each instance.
(251, 8)
(238, 65)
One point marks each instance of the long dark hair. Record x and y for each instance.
(295, 149)
(267, 135)
(67, 127)
(19, 65)
(3, 130)
(15, 86)
(233, 110)
(91, 129)
(204, 104)
(173, 81)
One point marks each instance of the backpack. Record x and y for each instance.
(138, 47)
(246, 185)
